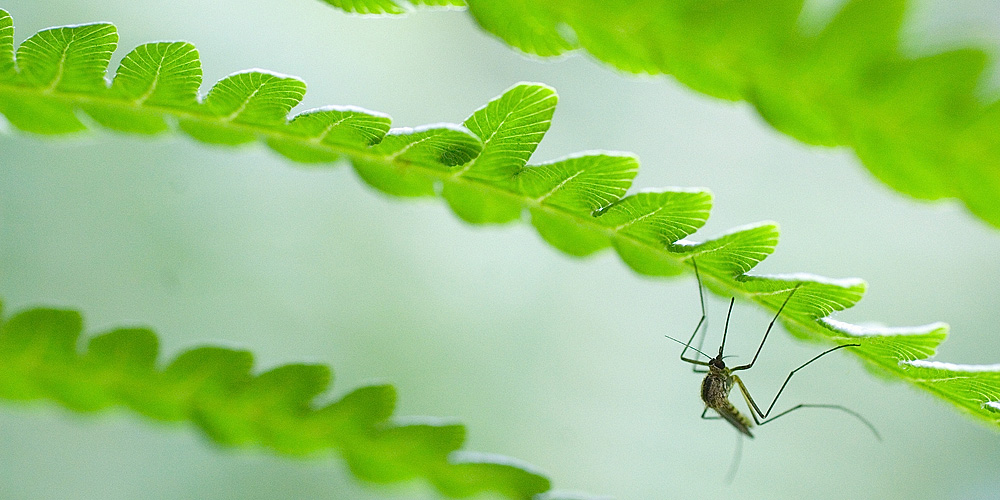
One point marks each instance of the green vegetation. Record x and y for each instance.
(919, 124)
(579, 204)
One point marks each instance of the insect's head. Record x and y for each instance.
(717, 363)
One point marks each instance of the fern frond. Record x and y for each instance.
(916, 123)
(214, 389)
(578, 203)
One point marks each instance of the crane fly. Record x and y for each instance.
(720, 379)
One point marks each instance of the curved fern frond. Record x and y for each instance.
(916, 123)
(578, 203)
(214, 389)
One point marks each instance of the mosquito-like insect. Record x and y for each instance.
(720, 379)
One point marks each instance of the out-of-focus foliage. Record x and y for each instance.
(214, 389)
(916, 123)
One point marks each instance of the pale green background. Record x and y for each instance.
(556, 361)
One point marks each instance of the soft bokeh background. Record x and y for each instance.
(557, 361)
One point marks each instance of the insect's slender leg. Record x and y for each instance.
(703, 321)
(715, 417)
(696, 362)
(835, 407)
(761, 417)
(704, 315)
(764, 414)
(701, 343)
(725, 330)
(769, 326)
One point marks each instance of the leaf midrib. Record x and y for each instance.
(60, 67)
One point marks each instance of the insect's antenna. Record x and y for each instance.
(688, 346)
(726, 329)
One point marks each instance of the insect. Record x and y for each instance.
(720, 379)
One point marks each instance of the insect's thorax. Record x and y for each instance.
(715, 393)
(716, 386)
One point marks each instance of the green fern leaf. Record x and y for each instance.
(368, 6)
(578, 204)
(8, 71)
(916, 123)
(511, 128)
(214, 389)
(446, 4)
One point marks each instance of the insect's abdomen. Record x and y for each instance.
(733, 416)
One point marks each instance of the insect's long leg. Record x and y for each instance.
(761, 417)
(769, 326)
(703, 321)
(725, 331)
(764, 414)
(835, 407)
(704, 314)
(716, 417)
